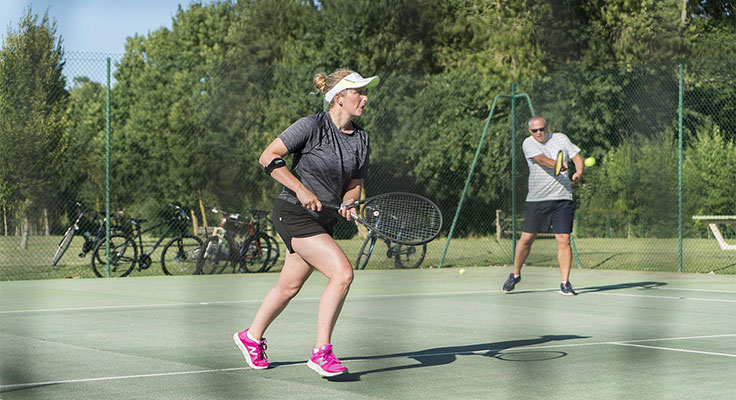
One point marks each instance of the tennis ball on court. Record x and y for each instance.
(589, 162)
(462, 271)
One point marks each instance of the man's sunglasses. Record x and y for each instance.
(537, 130)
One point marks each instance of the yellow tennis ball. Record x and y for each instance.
(462, 271)
(589, 162)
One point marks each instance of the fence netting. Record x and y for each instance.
(190, 135)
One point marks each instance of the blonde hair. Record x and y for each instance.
(324, 83)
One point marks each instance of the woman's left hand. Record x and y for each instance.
(346, 212)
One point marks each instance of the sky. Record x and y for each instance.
(97, 26)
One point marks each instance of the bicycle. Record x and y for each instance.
(404, 256)
(261, 225)
(178, 257)
(257, 251)
(91, 225)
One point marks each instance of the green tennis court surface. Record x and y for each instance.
(402, 334)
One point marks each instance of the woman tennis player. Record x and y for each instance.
(330, 161)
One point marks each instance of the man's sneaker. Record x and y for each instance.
(325, 362)
(566, 289)
(511, 282)
(254, 352)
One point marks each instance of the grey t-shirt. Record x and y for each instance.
(325, 158)
(543, 184)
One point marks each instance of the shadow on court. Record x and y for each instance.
(631, 285)
(591, 289)
(447, 355)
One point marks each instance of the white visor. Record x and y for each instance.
(352, 81)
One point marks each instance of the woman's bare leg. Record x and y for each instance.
(322, 253)
(293, 275)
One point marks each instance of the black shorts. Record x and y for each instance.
(539, 215)
(294, 221)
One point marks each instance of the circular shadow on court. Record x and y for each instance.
(531, 355)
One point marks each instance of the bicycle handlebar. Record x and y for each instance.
(179, 210)
(234, 216)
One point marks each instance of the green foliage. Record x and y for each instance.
(33, 113)
(83, 161)
(379, 36)
(709, 173)
(638, 182)
(508, 39)
(195, 105)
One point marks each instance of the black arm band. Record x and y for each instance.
(275, 163)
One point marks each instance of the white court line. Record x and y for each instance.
(133, 306)
(205, 303)
(403, 355)
(672, 349)
(695, 290)
(113, 378)
(364, 297)
(661, 297)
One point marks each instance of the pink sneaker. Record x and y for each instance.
(325, 362)
(254, 352)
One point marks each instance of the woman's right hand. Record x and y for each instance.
(309, 200)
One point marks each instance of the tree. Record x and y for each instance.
(83, 161)
(32, 115)
(709, 173)
(162, 80)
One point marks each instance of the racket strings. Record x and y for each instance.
(404, 218)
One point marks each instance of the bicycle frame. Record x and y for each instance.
(401, 253)
(251, 228)
(144, 260)
(240, 242)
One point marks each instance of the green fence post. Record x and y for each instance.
(107, 171)
(513, 173)
(679, 174)
(467, 181)
(472, 168)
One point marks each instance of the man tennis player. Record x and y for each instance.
(549, 200)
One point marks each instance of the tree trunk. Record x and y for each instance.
(26, 227)
(683, 14)
(195, 223)
(5, 221)
(202, 210)
(46, 227)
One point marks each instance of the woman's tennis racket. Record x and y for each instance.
(403, 218)
(558, 163)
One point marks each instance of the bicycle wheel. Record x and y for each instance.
(180, 255)
(101, 235)
(63, 245)
(213, 257)
(274, 254)
(365, 251)
(255, 253)
(409, 256)
(123, 256)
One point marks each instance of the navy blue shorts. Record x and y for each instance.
(540, 215)
(293, 220)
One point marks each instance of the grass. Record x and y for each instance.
(648, 254)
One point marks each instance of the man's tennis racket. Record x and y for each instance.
(403, 218)
(558, 163)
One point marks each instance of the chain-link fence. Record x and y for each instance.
(191, 134)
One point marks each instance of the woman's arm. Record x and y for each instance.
(277, 149)
(351, 194)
